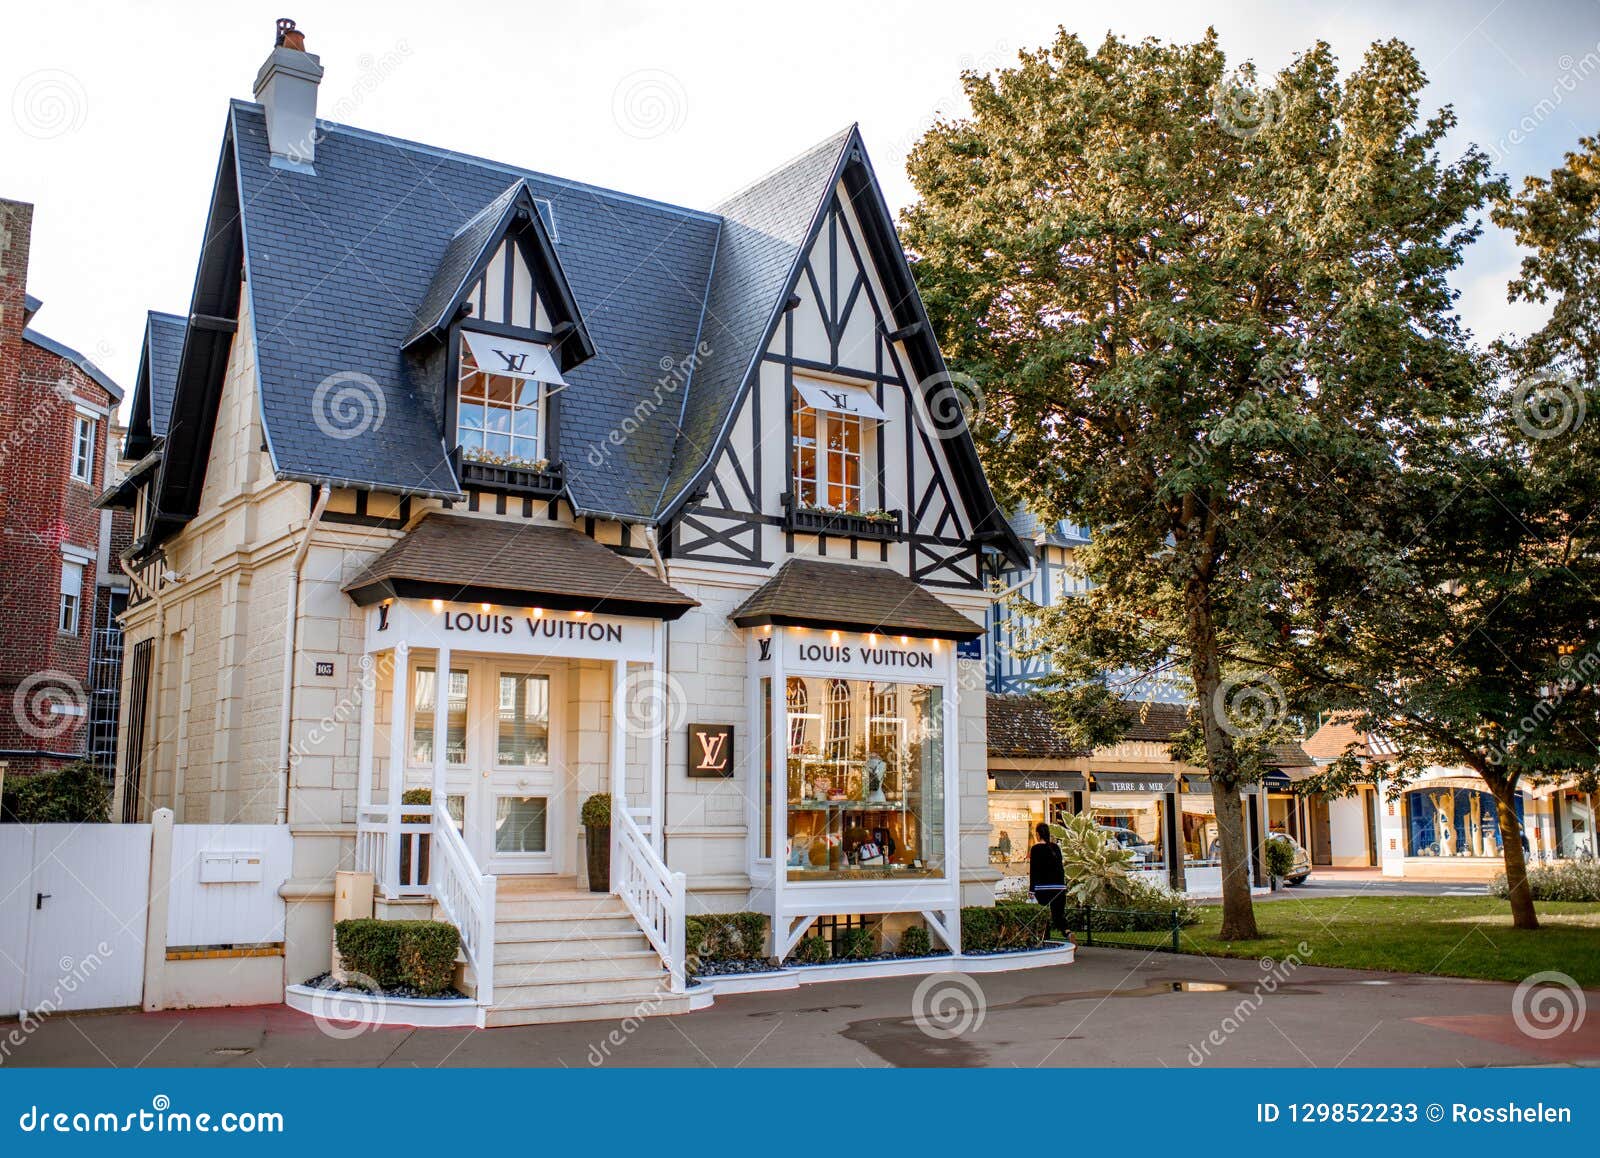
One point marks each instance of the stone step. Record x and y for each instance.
(644, 1003)
(639, 965)
(505, 885)
(646, 991)
(558, 905)
(586, 946)
(561, 927)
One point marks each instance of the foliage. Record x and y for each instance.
(1573, 880)
(726, 937)
(416, 796)
(1209, 319)
(915, 941)
(1558, 219)
(75, 794)
(596, 812)
(1006, 926)
(1280, 858)
(813, 950)
(419, 954)
(1095, 865)
(1146, 907)
(853, 944)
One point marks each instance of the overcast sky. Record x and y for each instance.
(116, 109)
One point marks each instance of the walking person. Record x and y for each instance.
(1047, 879)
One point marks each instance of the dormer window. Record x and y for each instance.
(500, 413)
(835, 441)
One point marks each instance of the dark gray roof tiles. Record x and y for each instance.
(164, 333)
(460, 254)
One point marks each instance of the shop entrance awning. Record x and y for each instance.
(466, 560)
(1132, 782)
(1039, 781)
(840, 399)
(848, 597)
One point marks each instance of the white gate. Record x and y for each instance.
(72, 925)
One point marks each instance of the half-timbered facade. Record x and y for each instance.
(485, 493)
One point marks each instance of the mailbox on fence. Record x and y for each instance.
(224, 868)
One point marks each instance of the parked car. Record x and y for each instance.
(1141, 848)
(1302, 859)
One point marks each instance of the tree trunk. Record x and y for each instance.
(1517, 890)
(1238, 913)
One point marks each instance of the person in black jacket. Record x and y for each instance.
(1046, 878)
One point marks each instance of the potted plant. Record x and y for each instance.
(1280, 861)
(596, 820)
(415, 796)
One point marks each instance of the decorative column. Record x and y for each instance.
(397, 764)
(441, 721)
(658, 749)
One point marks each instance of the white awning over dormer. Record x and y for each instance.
(840, 399)
(513, 356)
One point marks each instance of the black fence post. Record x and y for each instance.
(1088, 925)
(1176, 925)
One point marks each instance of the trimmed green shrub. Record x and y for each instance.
(1146, 907)
(1008, 925)
(1574, 880)
(416, 796)
(420, 954)
(915, 942)
(76, 794)
(812, 950)
(596, 811)
(725, 937)
(1280, 858)
(853, 944)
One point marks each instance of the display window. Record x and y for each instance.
(1135, 820)
(1011, 828)
(1199, 830)
(1454, 822)
(865, 780)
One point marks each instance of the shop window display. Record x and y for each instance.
(1136, 822)
(1453, 822)
(865, 776)
(1199, 833)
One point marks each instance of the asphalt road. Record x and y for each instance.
(1111, 1008)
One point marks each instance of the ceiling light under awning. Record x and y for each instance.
(841, 399)
(513, 356)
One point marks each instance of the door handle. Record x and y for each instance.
(39, 899)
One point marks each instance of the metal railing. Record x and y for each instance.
(654, 895)
(1152, 929)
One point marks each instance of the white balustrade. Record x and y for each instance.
(467, 898)
(654, 895)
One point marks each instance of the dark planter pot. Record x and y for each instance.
(597, 846)
(423, 847)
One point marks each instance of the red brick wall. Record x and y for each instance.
(41, 507)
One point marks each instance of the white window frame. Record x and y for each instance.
(823, 458)
(84, 429)
(476, 439)
(69, 608)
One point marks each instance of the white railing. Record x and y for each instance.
(391, 844)
(653, 894)
(467, 898)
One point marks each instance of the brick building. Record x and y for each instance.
(60, 584)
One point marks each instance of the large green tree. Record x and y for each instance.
(1206, 317)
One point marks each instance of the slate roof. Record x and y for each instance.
(463, 559)
(62, 350)
(339, 263)
(850, 597)
(164, 335)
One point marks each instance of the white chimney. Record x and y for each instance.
(287, 87)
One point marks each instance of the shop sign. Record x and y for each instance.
(711, 750)
(1131, 782)
(1039, 781)
(509, 631)
(865, 654)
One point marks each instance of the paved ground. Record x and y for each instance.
(1112, 1008)
(1325, 882)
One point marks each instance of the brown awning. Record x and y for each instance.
(847, 597)
(467, 560)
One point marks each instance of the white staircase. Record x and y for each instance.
(565, 954)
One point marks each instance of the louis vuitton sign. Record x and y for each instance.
(711, 750)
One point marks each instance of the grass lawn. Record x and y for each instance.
(1451, 936)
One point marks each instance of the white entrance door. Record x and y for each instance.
(519, 797)
(86, 901)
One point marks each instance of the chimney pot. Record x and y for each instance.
(289, 36)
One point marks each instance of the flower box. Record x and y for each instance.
(805, 520)
(545, 482)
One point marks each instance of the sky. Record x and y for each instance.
(116, 110)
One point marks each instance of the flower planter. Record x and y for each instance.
(508, 479)
(842, 523)
(597, 849)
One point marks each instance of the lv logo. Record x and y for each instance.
(514, 361)
(711, 749)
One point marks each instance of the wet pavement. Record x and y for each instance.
(1112, 1008)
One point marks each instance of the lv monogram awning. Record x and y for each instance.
(513, 356)
(840, 399)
